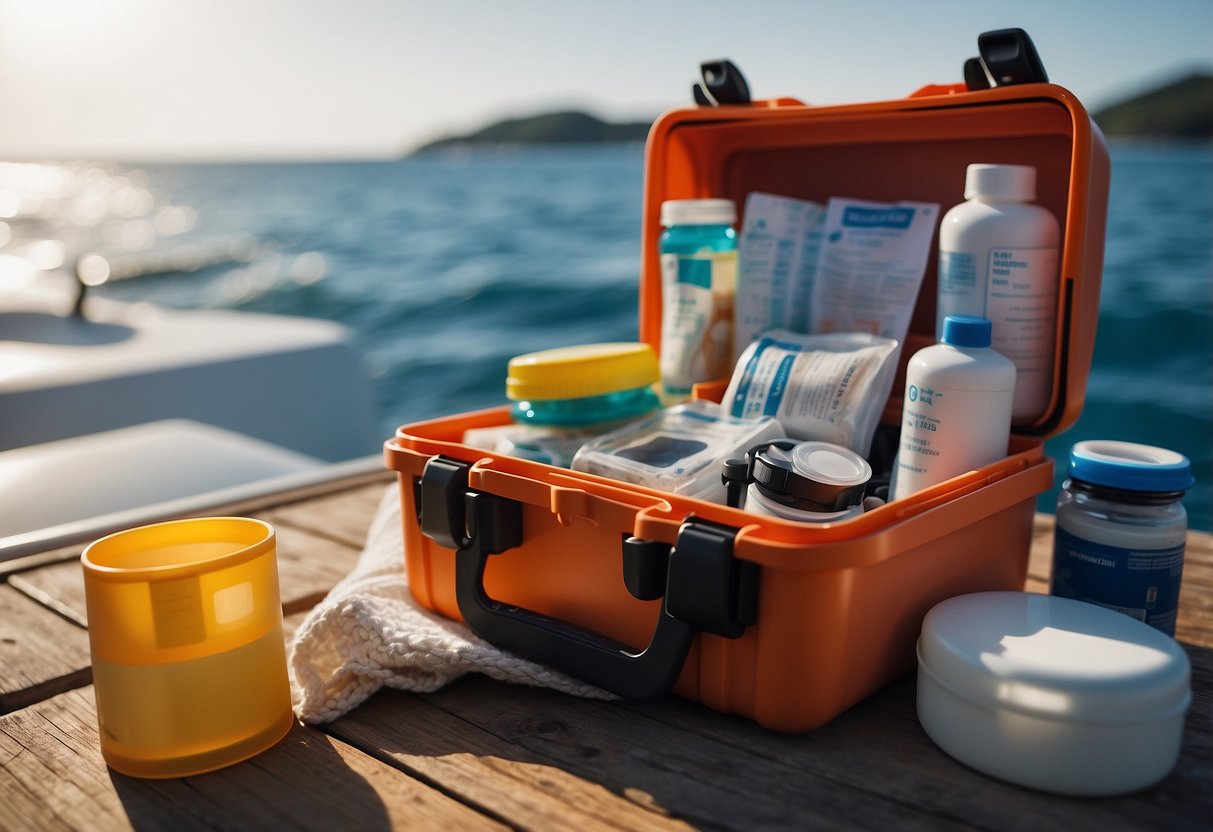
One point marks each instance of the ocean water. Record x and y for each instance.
(444, 268)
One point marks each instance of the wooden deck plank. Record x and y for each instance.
(53, 777)
(879, 747)
(464, 759)
(510, 738)
(483, 753)
(343, 517)
(41, 653)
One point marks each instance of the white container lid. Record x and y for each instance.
(1054, 658)
(698, 212)
(1001, 182)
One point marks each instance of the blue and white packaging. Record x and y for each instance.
(871, 265)
(830, 387)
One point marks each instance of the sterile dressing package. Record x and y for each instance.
(873, 258)
(776, 262)
(831, 387)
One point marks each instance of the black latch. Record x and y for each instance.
(645, 563)
(975, 75)
(1010, 57)
(439, 496)
(721, 82)
(454, 516)
(707, 587)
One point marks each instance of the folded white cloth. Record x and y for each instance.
(370, 632)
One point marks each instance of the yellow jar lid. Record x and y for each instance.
(580, 371)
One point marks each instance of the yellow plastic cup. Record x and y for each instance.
(189, 663)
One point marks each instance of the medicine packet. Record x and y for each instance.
(679, 450)
(776, 261)
(831, 386)
(872, 261)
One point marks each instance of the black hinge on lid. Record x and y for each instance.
(1008, 56)
(707, 587)
(721, 82)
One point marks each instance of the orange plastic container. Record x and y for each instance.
(785, 623)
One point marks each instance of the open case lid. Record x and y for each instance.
(917, 148)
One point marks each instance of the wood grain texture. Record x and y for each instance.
(480, 754)
(471, 759)
(343, 517)
(53, 777)
(538, 756)
(41, 654)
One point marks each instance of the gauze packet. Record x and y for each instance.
(831, 387)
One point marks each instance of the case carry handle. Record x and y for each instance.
(704, 588)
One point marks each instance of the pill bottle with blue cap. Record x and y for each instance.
(1121, 529)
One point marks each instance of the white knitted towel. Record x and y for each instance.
(370, 632)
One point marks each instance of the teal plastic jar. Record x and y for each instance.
(588, 386)
(695, 225)
(698, 282)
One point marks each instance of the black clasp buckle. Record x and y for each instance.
(721, 83)
(707, 587)
(1008, 57)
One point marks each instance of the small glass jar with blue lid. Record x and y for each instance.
(1121, 529)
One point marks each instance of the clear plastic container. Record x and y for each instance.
(677, 450)
(1121, 530)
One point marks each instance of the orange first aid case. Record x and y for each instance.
(639, 591)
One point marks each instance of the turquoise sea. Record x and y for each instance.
(446, 267)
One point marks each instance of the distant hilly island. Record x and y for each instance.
(1179, 111)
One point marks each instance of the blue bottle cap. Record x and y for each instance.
(966, 331)
(1130, 467)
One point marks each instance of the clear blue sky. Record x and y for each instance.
(140, 79)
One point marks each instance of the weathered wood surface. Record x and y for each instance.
(53, 777)
(481, 754)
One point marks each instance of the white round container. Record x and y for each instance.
(998, 257)
(814, 482)
(758, 503)
(956, 413)
(1050, 693)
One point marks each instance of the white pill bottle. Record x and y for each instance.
(956, 415)
(998, 256)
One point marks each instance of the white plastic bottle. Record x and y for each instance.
(998, 257)
(956, 415)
